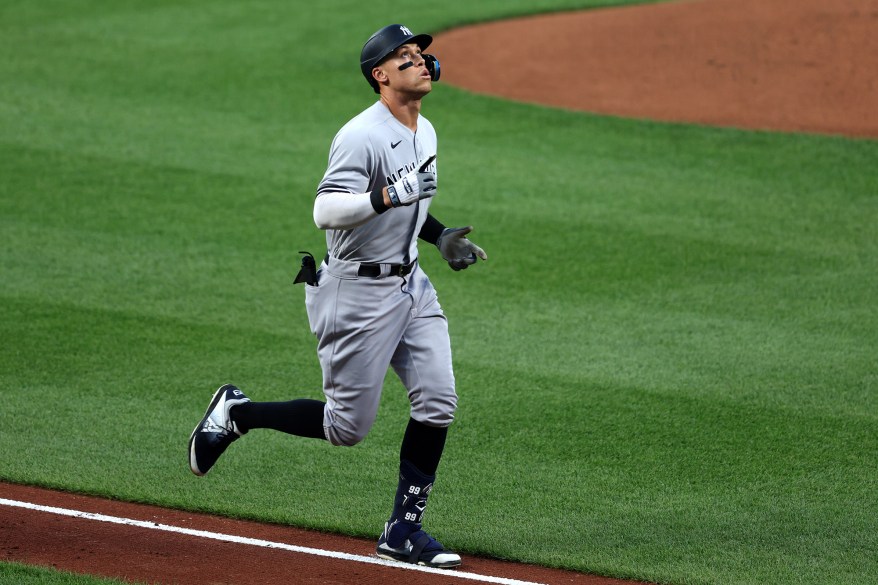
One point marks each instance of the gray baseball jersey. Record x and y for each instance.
(366, 324)
(374, 150)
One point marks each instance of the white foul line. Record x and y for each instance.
(264, 543)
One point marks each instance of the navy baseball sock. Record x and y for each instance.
(419, 457)
(303, 417)
(409, 503)
(422, 446)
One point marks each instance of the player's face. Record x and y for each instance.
(413, 79)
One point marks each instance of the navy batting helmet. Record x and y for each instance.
(386, 41)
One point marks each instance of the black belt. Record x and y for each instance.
(374, 270)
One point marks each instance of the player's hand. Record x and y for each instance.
(419, 184)
(457, 250)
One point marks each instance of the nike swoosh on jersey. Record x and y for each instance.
(395, 144)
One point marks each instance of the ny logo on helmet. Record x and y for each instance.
(405, 30)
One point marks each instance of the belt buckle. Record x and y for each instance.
(406, 269)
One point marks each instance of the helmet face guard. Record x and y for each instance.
(386, 41)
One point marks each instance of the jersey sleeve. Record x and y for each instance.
(351, 159)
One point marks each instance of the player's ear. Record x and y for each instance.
(379, 75)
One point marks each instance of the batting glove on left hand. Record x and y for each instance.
(457, 250)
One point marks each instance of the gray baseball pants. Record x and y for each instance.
(363, 325)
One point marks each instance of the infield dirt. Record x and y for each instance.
(789, 65)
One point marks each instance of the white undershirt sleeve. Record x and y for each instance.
(339, 210)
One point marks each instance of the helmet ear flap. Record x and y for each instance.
(432, 64)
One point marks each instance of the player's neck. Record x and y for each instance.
(404, 108)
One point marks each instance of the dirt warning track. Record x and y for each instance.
(149, 544)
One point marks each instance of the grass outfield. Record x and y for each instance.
(667, 367)
(24, 575)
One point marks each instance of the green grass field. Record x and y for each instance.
(18, 574)
(668, 368)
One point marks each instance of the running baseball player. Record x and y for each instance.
(370, 304)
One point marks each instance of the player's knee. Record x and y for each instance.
(342, 437)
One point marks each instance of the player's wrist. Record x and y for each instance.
(431, 231)
(379, 199)
(393, 196)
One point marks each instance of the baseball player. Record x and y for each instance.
(370, 304)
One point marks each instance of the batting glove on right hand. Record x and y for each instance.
(416, 185)
(457, 250)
